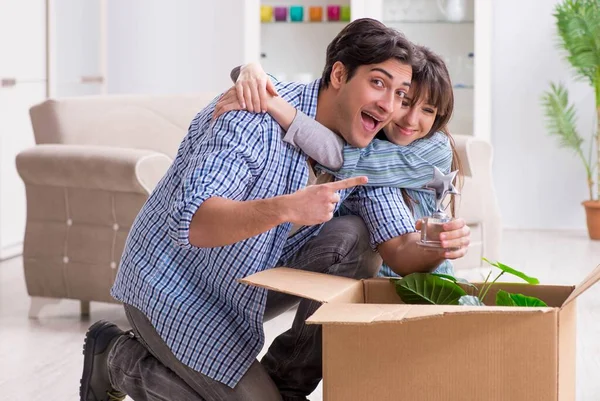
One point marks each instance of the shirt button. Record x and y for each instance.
(116, 227)
(65, 259)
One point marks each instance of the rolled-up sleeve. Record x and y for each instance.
(383, 211)
(221, 167)
(316, 140)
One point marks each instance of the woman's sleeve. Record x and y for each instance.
(317, 141)
(390, 165)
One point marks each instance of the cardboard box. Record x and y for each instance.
(376, 348)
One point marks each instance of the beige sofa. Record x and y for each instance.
(94, 165)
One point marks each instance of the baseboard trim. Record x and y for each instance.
(11, 251)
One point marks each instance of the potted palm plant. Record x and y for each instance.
(578, 23)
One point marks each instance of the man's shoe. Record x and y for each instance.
(95, 384)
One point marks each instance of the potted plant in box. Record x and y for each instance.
(578, 23)
(442, 289)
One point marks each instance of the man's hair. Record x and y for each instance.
(363, 42)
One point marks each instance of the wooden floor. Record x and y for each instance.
(41, 359)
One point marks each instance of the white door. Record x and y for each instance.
(23, 40)
(22, 84)
(16, 135)
(76, 47)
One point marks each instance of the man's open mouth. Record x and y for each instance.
(370, 122)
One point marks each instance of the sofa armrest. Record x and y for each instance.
(92, 167)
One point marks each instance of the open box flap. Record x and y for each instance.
(589, 281)
(338, 313)
(316, 286)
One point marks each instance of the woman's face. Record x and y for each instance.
(413, 121)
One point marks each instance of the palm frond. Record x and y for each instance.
(561, 122)
(561, 118)
(578, 23)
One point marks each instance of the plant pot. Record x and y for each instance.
(592, 212)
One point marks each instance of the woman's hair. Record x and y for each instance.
(432, 82)
(363, 42)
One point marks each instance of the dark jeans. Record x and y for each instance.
(145, 369)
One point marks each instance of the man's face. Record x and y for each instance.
(367, 101)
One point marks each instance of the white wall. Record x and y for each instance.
(163, 46)
(539, 185)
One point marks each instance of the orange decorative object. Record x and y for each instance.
(315, 14)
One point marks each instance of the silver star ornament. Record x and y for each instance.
(441, 185)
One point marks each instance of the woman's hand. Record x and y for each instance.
(253, 91)
(254, 88)
(227, 102)
(455, 238)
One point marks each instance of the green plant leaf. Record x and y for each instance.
(504, 298)
(466, 282)
(446, 276)
(514, 272)
(561, 117)
(561, 122)
(470, 300)
(455, 279)
(578, 23)
(427, 288)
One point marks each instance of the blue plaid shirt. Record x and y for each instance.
(191, 295)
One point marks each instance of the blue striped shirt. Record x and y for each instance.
(191, 295)
(409, 167)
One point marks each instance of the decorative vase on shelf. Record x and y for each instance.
(296, 13)
(345, 14)
(315, 14)
(453, 10)
(333, 13)
(280, 14)
(266, 13)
